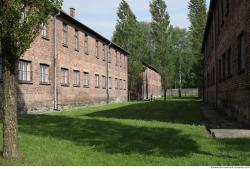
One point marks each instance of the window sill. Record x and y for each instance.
(76, 86)
(97, 87)
(65, 85)
(86, 86)
(46, 84)
(45, 38)
(77, 50)
(25, 82)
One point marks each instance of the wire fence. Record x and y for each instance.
(184, 92)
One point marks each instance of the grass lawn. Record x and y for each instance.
(137, 133)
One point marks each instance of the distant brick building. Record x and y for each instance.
(151, 86)
(226, 49)
(70, 65)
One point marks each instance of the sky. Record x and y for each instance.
(100, 15)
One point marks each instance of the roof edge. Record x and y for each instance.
(208, 25)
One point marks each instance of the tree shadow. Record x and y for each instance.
(236, 144)
(111, 137)
(183, 111)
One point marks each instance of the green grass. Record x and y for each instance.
(137, 133)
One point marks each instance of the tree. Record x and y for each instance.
(160, 32)
(127, 35)
(20, 22)
(197, 16)
(180, 44)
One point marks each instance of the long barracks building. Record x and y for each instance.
(70, 65)
(226, 49)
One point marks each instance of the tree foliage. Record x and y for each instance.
(161, 34)
(197, 16)
(20, 23)
(127, 35)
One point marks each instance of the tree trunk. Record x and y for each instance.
(165, 95)
(10, 127)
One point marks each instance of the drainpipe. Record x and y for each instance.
(54, 64)
(107, 72)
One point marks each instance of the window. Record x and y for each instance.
(97, 49)
(224, 66)
(219, 70)
(103, 52)
(110, 82)
(241, 53)
(97, 81)
(120, 84)
(109, 54)
(24, 71)
(104, 82)
(76, 40)
(86, 48)
(120, 60)
(45, 32)
(86, 79)
(44, 76)
(124, 62)
(76, 78)
(116, 58)
(65, 34)
(64, 76)
(124, 83)
(229, 63)
(116, 83)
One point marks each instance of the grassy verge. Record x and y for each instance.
(138, 133)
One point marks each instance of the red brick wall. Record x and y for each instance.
(34, 97)
(232, 92)
(151, 84)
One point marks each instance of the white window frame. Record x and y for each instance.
(24, 71)
(86, 46)
(86, 79)
(64, 76)
(110, 82)
(104, 82)
(97, 49)
(76, 78)
(103, 52)
(76, 40)
(65, 34)
(44, 73)
(97, 81)
(45, 31)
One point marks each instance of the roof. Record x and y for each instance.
(209, 21)
(90, 31)
(150, 67)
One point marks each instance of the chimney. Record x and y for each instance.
(72, 12)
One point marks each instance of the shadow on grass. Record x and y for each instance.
(111, 137)
(184, 111)
(236, 144)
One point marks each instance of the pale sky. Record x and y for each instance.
(101, 16)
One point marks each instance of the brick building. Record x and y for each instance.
(226, 49)
(70, 65)
(151, 82)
